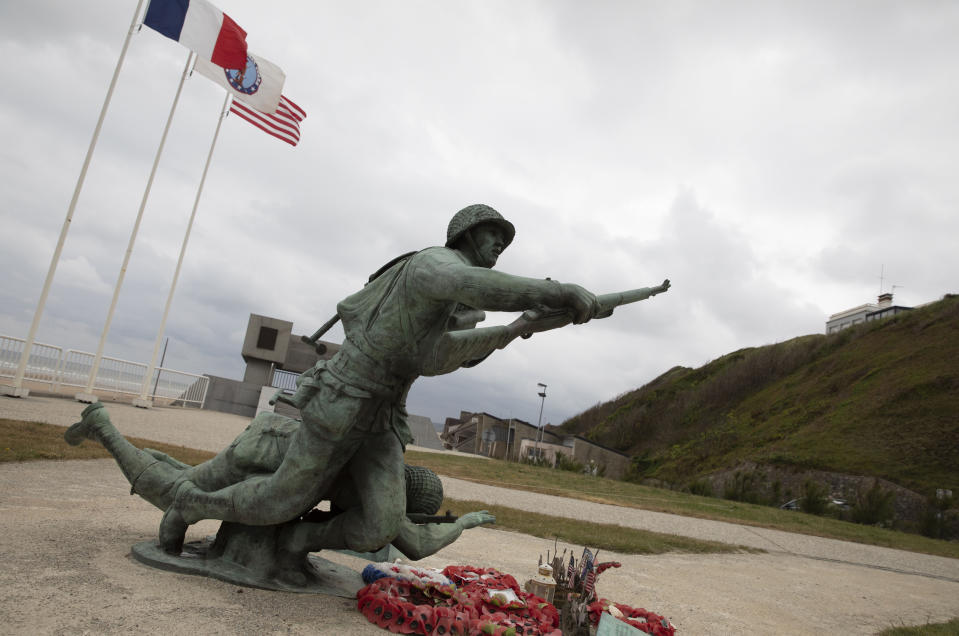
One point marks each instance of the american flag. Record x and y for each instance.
(589, 583)
(284, 124)
(587, 562)
(570, 569)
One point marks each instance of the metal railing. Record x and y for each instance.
(49, 364)
(44, 363)
(285, 380)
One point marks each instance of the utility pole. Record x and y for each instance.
(539, 424)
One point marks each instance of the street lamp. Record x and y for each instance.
(539, 424)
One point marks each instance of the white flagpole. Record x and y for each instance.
(143, 401)
(87, 395)
(17, 390)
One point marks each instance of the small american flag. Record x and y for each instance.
(284, 124)
(589, 583)
(587, 562)
(571, 568)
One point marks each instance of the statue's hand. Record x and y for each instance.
(583, 303)
(664, 287)
(276, 397)
(473, 519)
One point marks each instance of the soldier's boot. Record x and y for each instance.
(148, 477)
(91, 419)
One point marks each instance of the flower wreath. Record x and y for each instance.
(403, 572)
(482, 601)
(639, 618)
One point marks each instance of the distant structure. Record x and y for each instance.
(488, 435)
(864, 313)
(424, 433)
(270, 344)
(512, 439)
(274, 357)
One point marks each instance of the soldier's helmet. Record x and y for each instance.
(424, 490)
(473, 215)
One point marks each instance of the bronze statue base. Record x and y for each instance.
(306, 574)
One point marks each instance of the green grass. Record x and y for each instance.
(24, 441)
(602, 536)
(600, 490)
(950, 628)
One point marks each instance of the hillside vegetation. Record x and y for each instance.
(879, 399)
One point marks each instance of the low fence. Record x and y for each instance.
(285, 380)
(51, 365)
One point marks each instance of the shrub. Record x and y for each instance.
(701, 487)
(639, 468)
(744, 486)
(814, 497)
(776, 496)
(533, 460)
(565, 462)
(938, 521)
(875, 506)
(931, 522)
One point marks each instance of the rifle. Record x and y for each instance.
(421, 518)
(468, 347)
(544, 318)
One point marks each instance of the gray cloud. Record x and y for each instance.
(768, 158)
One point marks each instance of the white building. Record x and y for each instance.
(864, 313)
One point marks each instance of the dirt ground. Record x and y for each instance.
(66, 529)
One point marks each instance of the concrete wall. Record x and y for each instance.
(258, 372)
(615, 464)
(301, 356)
(424, 433)
(524, 431)
(232, 396)
(547, 450)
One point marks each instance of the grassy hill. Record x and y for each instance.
(879, 399)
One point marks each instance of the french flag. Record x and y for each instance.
(200, 26)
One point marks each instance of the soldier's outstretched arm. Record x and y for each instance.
(490, 290)
(420, 541)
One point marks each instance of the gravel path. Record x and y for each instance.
(735, 534)
(66, 528)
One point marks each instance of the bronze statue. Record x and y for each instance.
(417, 316)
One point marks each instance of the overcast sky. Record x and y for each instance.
(771, 159)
